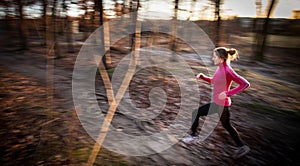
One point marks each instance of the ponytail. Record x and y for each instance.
(233, 53)
(225, 53)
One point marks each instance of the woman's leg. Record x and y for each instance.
(202, 111)
(225, 119)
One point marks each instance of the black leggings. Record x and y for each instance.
(225, 120)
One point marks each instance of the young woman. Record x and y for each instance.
(222, 80)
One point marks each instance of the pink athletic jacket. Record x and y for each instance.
(222, 80)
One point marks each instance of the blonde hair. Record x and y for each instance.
(223, 52)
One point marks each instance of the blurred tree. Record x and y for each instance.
(174, 30)
(134, 5)
(44, 20)
(217, 6)
(7, 23)
(258, 5)
(193, 5)
(136, 37)
(68, 25)
(53, 33)
(261, 36)
(98, 5)
(6, 4)
(296, 14)
(83, 23)
(23, 26)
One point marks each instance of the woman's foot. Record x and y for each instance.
(241, 151)
(189, 139)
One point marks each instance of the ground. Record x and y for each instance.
(40, 126)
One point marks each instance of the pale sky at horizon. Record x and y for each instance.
(241, 8)
(247, 7)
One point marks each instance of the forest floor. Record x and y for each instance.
(39, 125)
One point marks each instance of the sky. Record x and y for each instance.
(246, 8)
(151, 9)
(241, 8)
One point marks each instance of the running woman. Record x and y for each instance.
(222, 80)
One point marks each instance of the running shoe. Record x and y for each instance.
(241, 151)
(189, 139)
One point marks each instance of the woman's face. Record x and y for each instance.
(216, 59)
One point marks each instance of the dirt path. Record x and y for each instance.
(36, 132)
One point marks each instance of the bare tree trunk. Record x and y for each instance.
(22, 27)
(54, 43)
(69, 28)
(135, 40)
(99, 3)
(70, 38)
(193, 4)
(263, 34)
(218, 23)
(174, 28)
(7, 26)
(101, 12)
(44, 22)
(83, 22)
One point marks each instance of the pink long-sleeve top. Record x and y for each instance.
(222, 80)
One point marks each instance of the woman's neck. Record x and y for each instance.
(228, 62)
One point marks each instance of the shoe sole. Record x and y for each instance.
(188, 142)
(242, 154)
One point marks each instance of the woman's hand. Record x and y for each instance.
(199, 75)
(222, 96)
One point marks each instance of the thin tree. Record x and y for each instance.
(258, 5)
(174, 28)
(44, 21)
(6, 4)
(218, 23)
(54, 44)
(83, 24)
(69, 28)
(217, 18)
(135, 39)
(22, 22)
(98, 5)
(262, 35)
